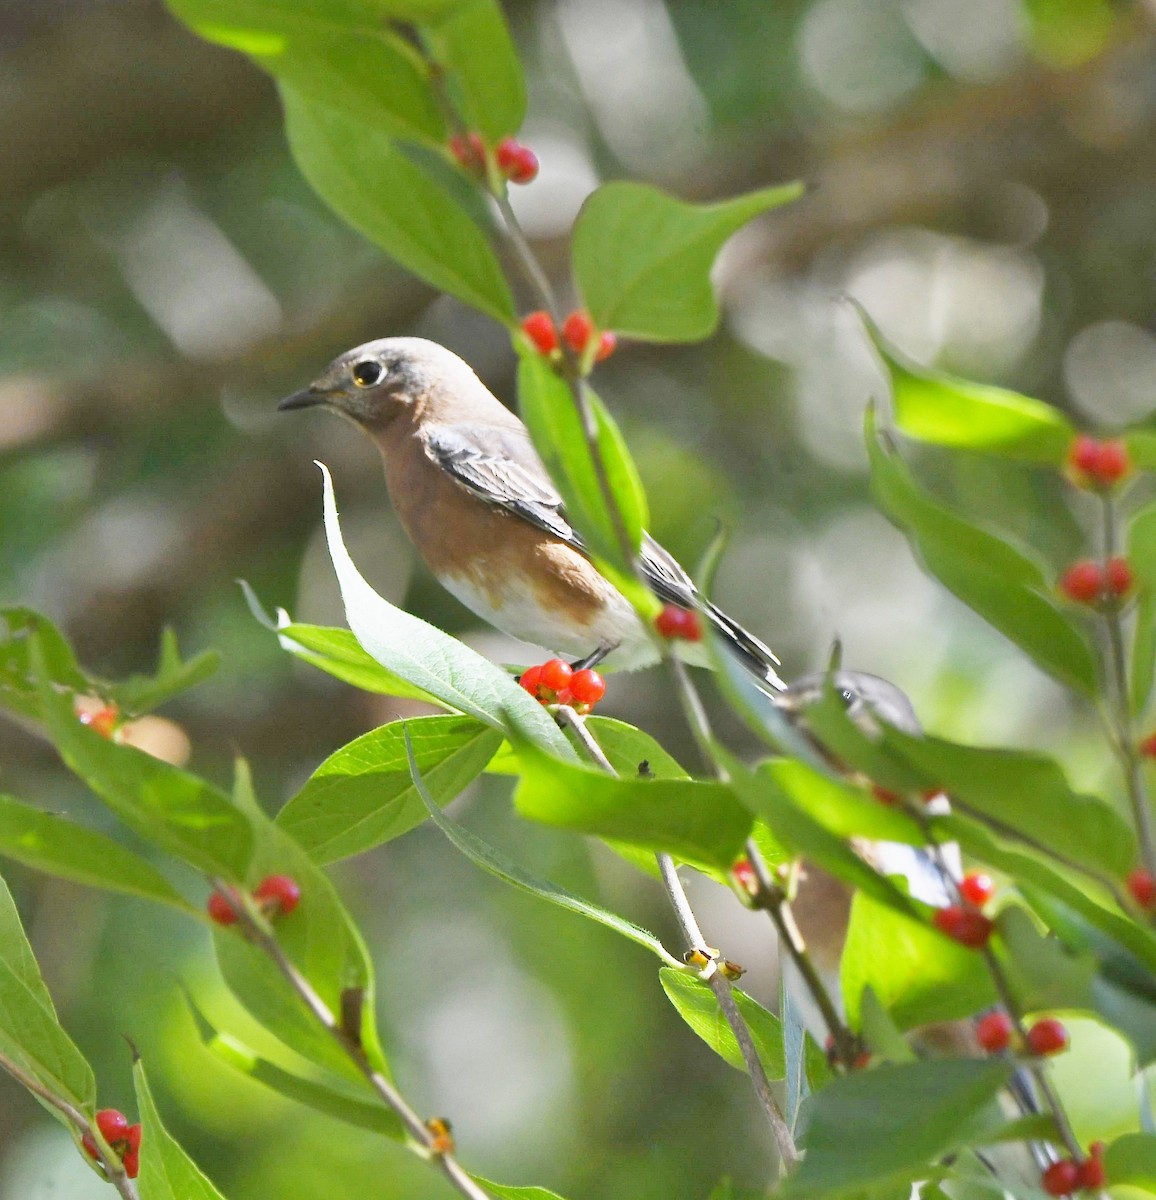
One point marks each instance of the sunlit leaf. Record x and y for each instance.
(363, 794)
(697, 821)
(432, 660)
(936, 408)
(369, 181)
(916, 974)
(642, 259)
(52, 843)
(1131, 1159)
(31, 1037)
(697, 1006)
(166, 1171)
(495, 863)
(174, 809)
(1002, 585)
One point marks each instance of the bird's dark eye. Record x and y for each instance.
(847, 696)
(367, 373)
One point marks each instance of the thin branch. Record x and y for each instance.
(113, 1167)
(710, 973)
(255, 928)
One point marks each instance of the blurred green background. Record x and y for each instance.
(981, 180)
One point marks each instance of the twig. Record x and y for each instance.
(254, 927)
(1124, 735)
(710, 973)
(113, 1167)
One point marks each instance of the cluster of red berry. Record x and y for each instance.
(517, 163)
(965, 923)
(1067, 1175)
(577, 332)
(276, 896)
(556, 682)
(1098, 466)
(123, 1139)
(1047, 1036)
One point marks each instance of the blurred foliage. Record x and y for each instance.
(980, 181)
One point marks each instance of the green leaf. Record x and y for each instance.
(373, 78)
(333, 1099)
(1033, 875)
(318, 937)
(881, 1035)
(698, 1007)
(627, 748)
(504, 1192)
(432, 660)
(918, 975)
(363, 795)
(642, 259)
(19, 691)
(783, 803)
(471, 41)
(497, 864)
(1143, 652)
(1041, 972)
(1131, 1159)
(1027, 794)
(142, 693)
(370, 182)
(935, 408)
(31, 1037)
(1003, 586)
(699, 822)
(338, 653)
(886, 1125)
(166, 1171)
(174, 809)
(551, 415)
(54, 844)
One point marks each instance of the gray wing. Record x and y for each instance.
(501, 466)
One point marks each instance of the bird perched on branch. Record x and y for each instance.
(478, 504)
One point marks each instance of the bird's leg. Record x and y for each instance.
(592, 660)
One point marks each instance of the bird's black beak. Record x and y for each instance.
(308, 397)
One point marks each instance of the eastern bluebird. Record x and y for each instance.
(477, 502)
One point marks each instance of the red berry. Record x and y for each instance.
(577, 330)
(967, 926)
(565, 696)
(1148, 746)
(977, 888)
(677, 622)
(113, 1125)
(470, 151)
(556, 675)
(1084, 453)
(1119, 577)
(1061, 1178)
(1112, 463)
(133, 1137)
(103, 721)
(539, 328)
(587, 687)
(1092, 1174)
(518, 163)
(993, 1031)
(278, 895)
(607, 342)
(221, 910)
(531, 679)
(745, 876)
(1047, 1036)
(885, 795)
(1083, 582)
(131, 1163)
(1142, 885)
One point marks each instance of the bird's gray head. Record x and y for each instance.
(374, 383)
(868, 699)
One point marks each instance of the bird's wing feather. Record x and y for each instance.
(500, 465)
